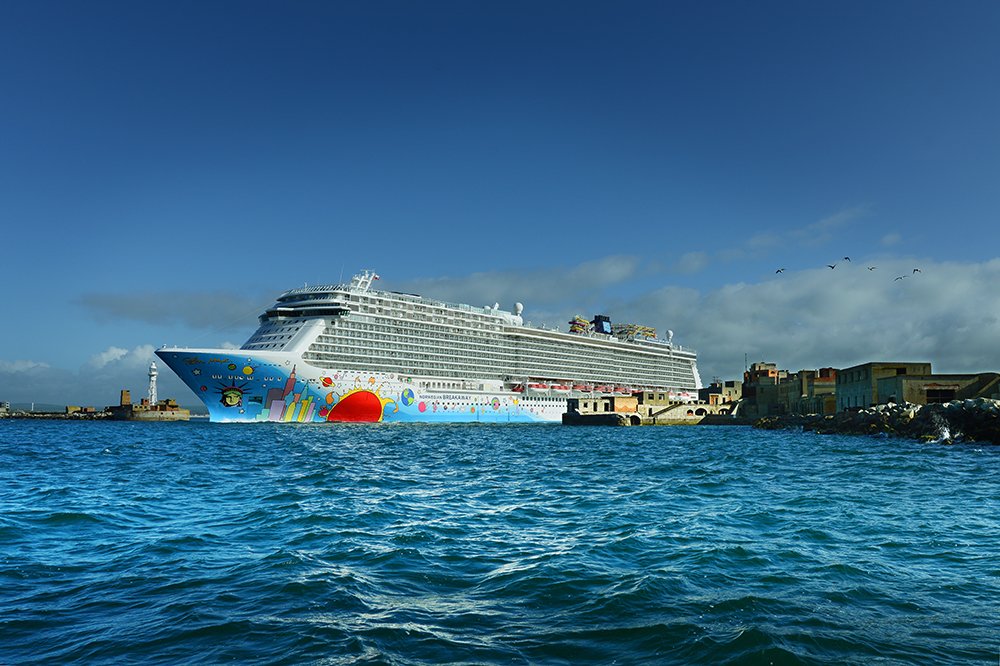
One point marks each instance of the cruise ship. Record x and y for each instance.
(349, 352)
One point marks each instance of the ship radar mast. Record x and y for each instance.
(152, 383)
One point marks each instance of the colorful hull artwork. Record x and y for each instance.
(280, 388)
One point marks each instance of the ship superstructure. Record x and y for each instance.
(348, 352)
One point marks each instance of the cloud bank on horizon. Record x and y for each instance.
(96, 382)
(946, 314)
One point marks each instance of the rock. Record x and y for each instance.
(961, 420)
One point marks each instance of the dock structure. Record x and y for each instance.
(162, 410)
(149, 408)
(649, 408)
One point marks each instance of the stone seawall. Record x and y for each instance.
(962, 420)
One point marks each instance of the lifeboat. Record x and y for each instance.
(517, 388)
(586, 388)
(538, 386)
(560, 388)
(604, 389)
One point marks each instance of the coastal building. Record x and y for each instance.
(623, 404)
(770, 391)
(858, 386)
(930, 389)
(603, 410)
(760, 390)
(643, 408)
(763, 373)
(821, 393)
(721, 392)
(809, 392)
(654, 406)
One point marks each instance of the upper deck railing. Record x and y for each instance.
(361, 283)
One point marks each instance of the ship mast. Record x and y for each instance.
(363, 281)
(152, 383)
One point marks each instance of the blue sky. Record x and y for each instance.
(167, 168)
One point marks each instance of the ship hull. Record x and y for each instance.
(255, 387)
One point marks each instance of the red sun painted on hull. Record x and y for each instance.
(358, 407)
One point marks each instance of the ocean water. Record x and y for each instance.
(414, 544)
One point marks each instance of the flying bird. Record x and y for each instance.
(847, 258)
(831, 266)
(917, 270)
(900, 278)
(871, 268)
(780, 270)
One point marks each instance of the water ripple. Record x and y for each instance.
(181, 543)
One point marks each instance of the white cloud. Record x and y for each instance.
(891, 239)
(109, 355)
(798, 319)
(822, 231)
(766, 242)
(203, 310)
(691, 262)
(763, 241)
(840, 218)
(21, 366)
(137, 357)
(816, 318)
(97, 382)
(540, 288)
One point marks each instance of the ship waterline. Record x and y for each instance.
(351, 353)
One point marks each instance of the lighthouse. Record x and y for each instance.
(152, 383)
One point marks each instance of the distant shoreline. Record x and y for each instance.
(80, 416)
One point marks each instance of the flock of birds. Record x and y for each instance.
(871, 268)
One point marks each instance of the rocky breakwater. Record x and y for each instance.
(962, 420)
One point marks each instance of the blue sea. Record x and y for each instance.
(183, 543)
